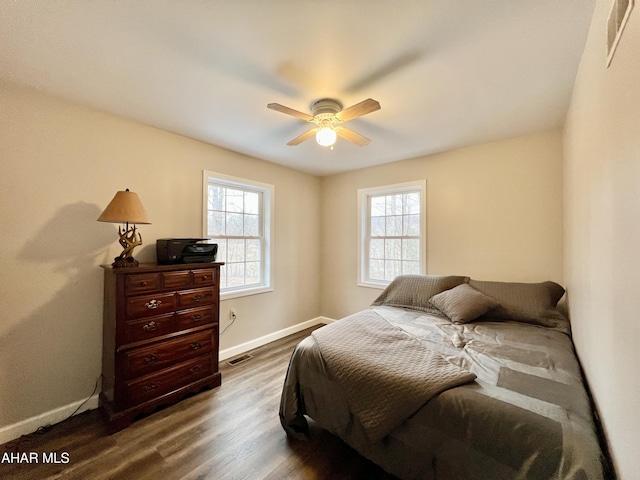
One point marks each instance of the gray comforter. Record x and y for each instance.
(385, 374)
(527, 414)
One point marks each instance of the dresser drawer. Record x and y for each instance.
(142, 361)
(203, 278)
(194, 317)
(148, 305)
(194, 298)
(144, 282)
(146, 328)
(165, 381)
(176, 280)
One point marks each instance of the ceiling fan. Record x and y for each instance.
(328, 114)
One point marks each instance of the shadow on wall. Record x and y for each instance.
(52, 357)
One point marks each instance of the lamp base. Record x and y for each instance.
(121, 262)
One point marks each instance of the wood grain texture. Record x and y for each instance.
(231, 432)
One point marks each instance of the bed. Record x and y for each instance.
(446, 377)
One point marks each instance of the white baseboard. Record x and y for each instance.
(30, 425)
(258, 342)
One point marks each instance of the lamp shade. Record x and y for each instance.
(125, 207)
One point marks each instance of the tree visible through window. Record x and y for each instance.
(237, 218)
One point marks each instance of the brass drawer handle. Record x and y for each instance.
(196, 318)
(151, 358)
(197, 298)
(151, 386)
(195, 369)
(149, 327)
(205, 277)
(144, 283)
(195, 346)
(153, 304)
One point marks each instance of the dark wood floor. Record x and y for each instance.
(232, 432)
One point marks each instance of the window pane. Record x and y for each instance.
(251, 202)
(411, 225)
(252, 272)
(251, 225)
(392, 268)
(394, 226)
(410, 268)
(377, 206)
(411, 203)
(235, 224)
(376, 269)
(252, 251)
(377, 226)
(223, 276)
(393, 249)
(235, 250)
(376, 248)
(235, 200)
(411, 249)
(394, 205)
(235, 274)
(216, 197)
(216, 223)
(222, 250)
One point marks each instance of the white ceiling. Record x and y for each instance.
(447, 73)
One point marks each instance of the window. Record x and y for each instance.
(238, 216)
(392, 233)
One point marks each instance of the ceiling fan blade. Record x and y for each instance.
(385, 70)
(366, 106)
(352, 136)
(290, 111)
(301, 138)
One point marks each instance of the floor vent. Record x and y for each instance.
(239, 360)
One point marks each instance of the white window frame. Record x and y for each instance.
(364, 223)
(266, 229)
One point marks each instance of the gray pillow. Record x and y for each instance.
(463, 304)
(533, 303)
(414, 291)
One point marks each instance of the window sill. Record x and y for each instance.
(378, 285)
(245, 292)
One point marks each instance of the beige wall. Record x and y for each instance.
(494, 212)
(60, 166)
(602, 231)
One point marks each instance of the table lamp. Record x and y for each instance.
(126, 208)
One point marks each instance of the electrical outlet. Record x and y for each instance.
(232, 314)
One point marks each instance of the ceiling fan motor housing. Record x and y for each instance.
(326, 106)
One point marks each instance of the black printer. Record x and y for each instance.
(185, 250)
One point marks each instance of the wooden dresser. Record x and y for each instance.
(160, 339)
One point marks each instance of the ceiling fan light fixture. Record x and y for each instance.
(328, 114)
(326, 136)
